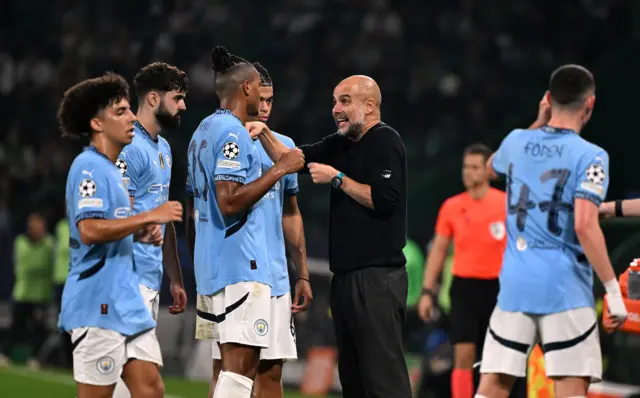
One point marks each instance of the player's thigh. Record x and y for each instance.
(143, 379)
(571, 344)
(508, 341)
(145, 347)
(282, 340)
(244, 313)
(99, 356)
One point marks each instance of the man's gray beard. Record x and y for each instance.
(354, 131)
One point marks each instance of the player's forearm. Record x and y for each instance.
(272, 145)
(245, 196)
(433, 267)
(361, 193)
(630, 208)
(170, 259)
(293, 228)
(96, 231)
(595, 248)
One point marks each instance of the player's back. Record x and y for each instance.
(273, 208)
(545, 269)
(227, 249)
(146, 167)
(102, 288)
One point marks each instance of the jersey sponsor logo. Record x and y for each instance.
(228, 164)
(105, 365)
(122, 165)
(87, 188)
(233, 135)
(497, 230)
(89, 173)
(90, 202)
(121, 212)
(261, 327)
(231, 150)
(157, 188)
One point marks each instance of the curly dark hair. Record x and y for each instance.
(161, 77)
(265, 79)
(84, 100)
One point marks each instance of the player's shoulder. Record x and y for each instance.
(387, 134)
(589, 148)
(517, 135)
(134, 148)
(163, 142)
(88, 161)
(288, 141)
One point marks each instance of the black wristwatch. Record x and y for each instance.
(428, 292)
(337, 180)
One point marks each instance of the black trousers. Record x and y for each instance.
(369, 306)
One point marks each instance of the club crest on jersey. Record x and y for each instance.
(168, 160)
(261, 327)
(105, 365)
(497, 230)
(161, 160)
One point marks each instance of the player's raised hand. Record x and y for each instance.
(544, 109)
(256, 128)
(167, 212)
(303, 296)
(179, 299)
(151, 234)
(291, 161)
(321, 173)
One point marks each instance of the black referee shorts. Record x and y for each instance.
(369, 306)
(472, 302)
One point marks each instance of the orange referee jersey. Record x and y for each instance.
(478, 230)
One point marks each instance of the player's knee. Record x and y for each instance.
(151, 387)
(495, 385)
(270, 371)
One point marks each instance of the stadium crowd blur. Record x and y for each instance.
(451, 72)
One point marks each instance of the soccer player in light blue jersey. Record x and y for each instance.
(102, 307)
(556, 180)
(231, 258)
(284, 227)
(146, 167)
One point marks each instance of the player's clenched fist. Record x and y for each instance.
(167, 212)
(151, 234)
(256, 128)
(321, 173)
(291, 161)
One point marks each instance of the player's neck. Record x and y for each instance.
(108, 148)
(238, 109)
(565, 121)
(479, 192)
(149, 122)
(369, 124)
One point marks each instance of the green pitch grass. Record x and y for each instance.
(19, 382)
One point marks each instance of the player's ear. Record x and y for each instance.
(369, 106)
(153, 99)
(96, 124)
(246, 88)
(548, 96)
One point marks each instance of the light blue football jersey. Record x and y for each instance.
(102, 288)
(227, 250)
(545, 270)
(145, 165)
(273, 205)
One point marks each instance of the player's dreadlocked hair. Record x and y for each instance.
(161, 77)
(230, 70)
(569, 85)
(265, 79)
(84, 100)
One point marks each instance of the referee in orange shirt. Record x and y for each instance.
(474, 221)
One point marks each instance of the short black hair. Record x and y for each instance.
(570, 84)
(230, 70)
(478, 149)
(161, 77)
(84, 100)
(265, 79)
